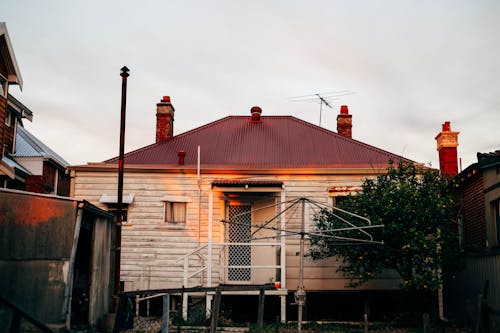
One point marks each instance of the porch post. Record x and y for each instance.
(210, 250)
(283, 257)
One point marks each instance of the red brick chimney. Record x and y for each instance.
(164, 120)
(344, 122)
(447, 143)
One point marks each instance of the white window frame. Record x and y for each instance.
(170, 201)
(8, 118)
(4, 84)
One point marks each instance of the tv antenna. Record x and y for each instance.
(322, 98)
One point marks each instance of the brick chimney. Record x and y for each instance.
(447, 143)
(344, 122)
(164, 120)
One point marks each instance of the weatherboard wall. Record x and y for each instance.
(151, 248)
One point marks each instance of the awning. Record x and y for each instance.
(246, 183)
(12, 169)
(113, 198)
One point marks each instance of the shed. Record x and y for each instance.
(55, 255)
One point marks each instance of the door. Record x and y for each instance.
(239, 231)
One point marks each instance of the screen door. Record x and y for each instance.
(239, 231)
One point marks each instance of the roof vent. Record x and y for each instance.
(182, 155)
(256, 111)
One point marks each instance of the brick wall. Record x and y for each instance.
(474, 212)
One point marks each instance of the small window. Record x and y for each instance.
(337, 200)
(113, 209)
(496, 218)
(3, 86)
(175, 212)
(8, 118)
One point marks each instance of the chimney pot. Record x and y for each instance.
(446, 126)
(256, 111)
(182, 155)
(344, 109)
(166, 99)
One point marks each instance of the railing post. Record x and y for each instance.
(184, 305)
(185, 285)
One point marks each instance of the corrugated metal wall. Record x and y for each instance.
(462, 293)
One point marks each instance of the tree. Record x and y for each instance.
(417, 208)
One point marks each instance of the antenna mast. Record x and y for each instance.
(323, 98)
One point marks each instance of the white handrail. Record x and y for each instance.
(191, 253)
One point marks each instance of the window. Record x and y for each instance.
(496, 217)
(337, 200)
(8, 118)
(113, 209)
(3, 86)
(175, 212)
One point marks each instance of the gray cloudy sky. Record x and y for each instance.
(411, 64)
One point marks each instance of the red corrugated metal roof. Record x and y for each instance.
(275, 142)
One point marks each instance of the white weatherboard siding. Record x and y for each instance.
(151, 248)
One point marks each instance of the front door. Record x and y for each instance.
(239, 231)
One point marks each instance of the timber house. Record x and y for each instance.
(224, 203)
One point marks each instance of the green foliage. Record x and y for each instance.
(417, 208)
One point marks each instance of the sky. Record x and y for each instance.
(408, 66)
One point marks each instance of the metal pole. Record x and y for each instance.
(300, 294)
(119, 218)
(165, 319)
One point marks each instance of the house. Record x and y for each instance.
(224, 203)
(26, 163)
(479, 192)
(55, 256)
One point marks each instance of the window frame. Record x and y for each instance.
(169, 202)
(4, 86)
(169, 212)
(8, 119)
(495, 205)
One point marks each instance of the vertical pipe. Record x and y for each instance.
(199, 196)
(119, 218)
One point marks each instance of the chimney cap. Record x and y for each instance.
(256, 111)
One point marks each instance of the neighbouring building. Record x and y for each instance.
(222, 204)
(26, 163)
(479, 193)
